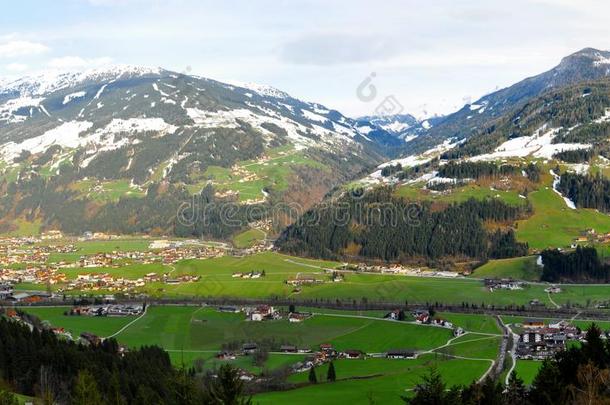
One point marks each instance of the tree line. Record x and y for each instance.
(589, 191)
(582, 265)
(35, 362)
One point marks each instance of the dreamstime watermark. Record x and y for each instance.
(367, 93)
(351, 208)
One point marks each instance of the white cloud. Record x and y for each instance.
(14, 48)
(16, 67)
(76, 62)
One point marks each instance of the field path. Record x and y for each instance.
(129, 324)
(551, 299)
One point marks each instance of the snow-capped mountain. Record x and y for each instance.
(137, 126)
(584, 65)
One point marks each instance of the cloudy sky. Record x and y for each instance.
(433, 56)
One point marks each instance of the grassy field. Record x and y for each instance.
(216, 280)
(193, 328)
(376, 381)
(248, 238)
(553, 224)
(101, 326)
(472, 322)
(527, 370)
(190, 333)
(519, 268)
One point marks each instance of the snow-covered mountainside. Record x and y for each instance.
(585, 65)
(569, 126)
(107, 134)
(96, 107)
(403, 126)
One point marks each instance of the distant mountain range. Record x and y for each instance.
(120, 149)
(107, 134)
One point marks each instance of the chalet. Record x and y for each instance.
(395, 315)
(288, 349)
(225, 355)
(249, 348)
(255, 316)
(533, 323)
(228, 309)
(422, 318)
(400, 354)
(352, 354)
(296, 317)
(90, 338)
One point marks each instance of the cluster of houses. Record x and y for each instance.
(423, 317)
(261, 313)
(251, 274)
(26, 260)
(108, 282)
(503, 284)
(398, 270)
(591, 235)
(106, 310)
(538, 341)
(325, 353)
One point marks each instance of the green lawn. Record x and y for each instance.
(196, 328)
(472, 322)
(102, 246)
(519, 268)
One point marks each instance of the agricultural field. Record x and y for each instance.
(376, 380)
(197, 333)
(216, 280)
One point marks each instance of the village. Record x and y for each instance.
(26, 260)
(540, 341)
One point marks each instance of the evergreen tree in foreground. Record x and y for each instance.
(312, 376)
(331, 375)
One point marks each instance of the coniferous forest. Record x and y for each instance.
(586, 191)
(582, 265)
(378, 225)
(35, 362)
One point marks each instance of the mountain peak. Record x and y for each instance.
(586, 55)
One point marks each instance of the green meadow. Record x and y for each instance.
(518, 268)
(553, 224)
(190, 333)
(376, 380)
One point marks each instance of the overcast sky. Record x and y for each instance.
(432, 56)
